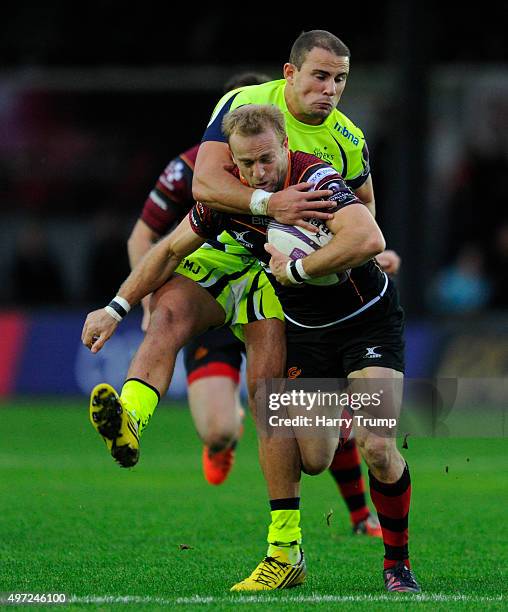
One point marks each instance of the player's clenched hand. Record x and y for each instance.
(296, 203)
(98, 328)
(389, 261)
(278, 264)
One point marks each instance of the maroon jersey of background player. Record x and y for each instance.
(171, 198)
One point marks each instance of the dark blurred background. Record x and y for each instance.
(95, 99)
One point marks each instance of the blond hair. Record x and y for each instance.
(254, 119)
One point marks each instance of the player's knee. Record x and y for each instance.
(315, 461)
(313, 467)
(161, 319)
(377, 452)
(219, 439)
(258, 377)
(165, 326)
(219, 425)
(255, 396)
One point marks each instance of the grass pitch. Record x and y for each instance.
(159, 536)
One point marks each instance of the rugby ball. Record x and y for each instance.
(297, 242)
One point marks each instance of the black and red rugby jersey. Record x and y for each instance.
(306, 305)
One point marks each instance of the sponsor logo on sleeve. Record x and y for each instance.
(320, 174)
(341, 193)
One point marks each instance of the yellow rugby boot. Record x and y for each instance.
(114, 423)
(274, 573)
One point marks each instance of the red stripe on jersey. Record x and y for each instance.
(356, 289)
(215, 368)
(287, 182)
(253, 227)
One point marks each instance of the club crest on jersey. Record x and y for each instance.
(371, 353)
(172, 174)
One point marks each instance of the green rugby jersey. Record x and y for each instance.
(337, 141)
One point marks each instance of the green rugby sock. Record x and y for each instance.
(284, 533)
(140, 399)
(290, 553)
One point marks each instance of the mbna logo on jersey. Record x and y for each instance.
(342, 129)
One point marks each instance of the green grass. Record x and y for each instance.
(73, 522)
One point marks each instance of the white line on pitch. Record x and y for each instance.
(247, 599)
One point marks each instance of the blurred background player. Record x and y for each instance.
(212, 360)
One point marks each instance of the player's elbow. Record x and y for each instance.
(133, 242)
(164, 251)
(373, 243)
(141, 239)
(200, 190)
(173, 253)
(371, 207)
(368, 244)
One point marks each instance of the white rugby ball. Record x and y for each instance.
(297, 242)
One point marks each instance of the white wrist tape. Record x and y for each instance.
(118, 308)
(122, 302)
(301, 271)
(259, 202)
(113, 313)
(290, 275)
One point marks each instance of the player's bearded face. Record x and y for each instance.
(315, 90)
(261, 159)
